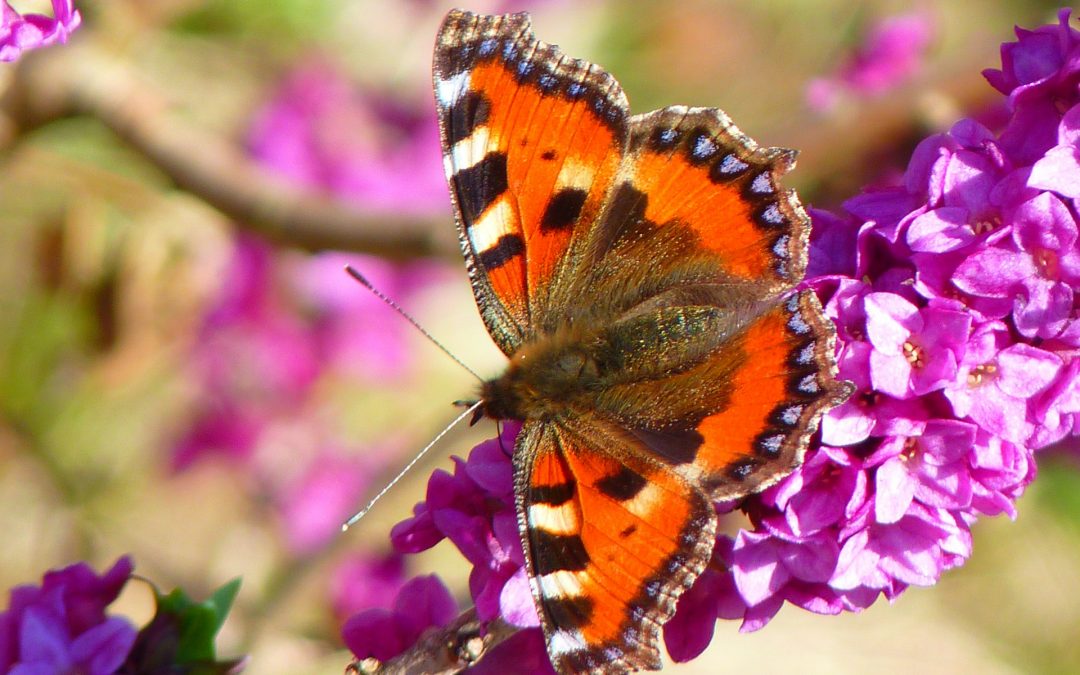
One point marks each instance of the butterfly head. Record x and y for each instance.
(545, 379)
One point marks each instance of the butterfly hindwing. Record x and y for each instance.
(532, 140)
(728, 397)
(612, 539)
(762, 392)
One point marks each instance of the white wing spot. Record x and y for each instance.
(644, 503)
(565, 642)
(704, 148)
(761, 184)
(562, 584)
(492, 225)
(448, 91)
(470, 151)
(575, 174)
(780, 248)
(772, 444)
(732, 164)
(798, 325)
(772, 215)
(790, 416)
(561, 519)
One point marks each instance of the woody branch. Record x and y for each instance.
(444, 651)
(82, 79)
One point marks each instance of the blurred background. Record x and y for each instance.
(187, 375)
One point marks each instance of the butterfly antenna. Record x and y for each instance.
(397, 308)
(363, 512)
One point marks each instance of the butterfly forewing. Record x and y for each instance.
(531, 141)
(697, 170)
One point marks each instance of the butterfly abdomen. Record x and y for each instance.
(605, 370)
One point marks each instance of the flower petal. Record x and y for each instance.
(993, 272)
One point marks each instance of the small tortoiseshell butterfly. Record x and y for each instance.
(640, 273)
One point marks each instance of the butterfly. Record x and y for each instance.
(640, 273)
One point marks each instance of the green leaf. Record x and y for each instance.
(199, 622)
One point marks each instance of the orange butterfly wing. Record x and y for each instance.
(613, 538)
(531, 143)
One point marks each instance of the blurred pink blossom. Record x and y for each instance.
(320, 130)
(315, 503)
(890, 55)
(362, 582)
(283, 323)
(21, 32)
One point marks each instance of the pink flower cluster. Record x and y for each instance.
(287, 328)
(955, 304)
(285, 323)
(322, 131)
(61, 626)
(954, 296)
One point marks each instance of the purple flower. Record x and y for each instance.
(384, 633)
(958, 327)
(474, 508)
(1000, 471)
(690, 631)
(868, 413)
(826, 490)
(914, 550)
(1039, 74)
(61, 626)
(1039, 64)
(915, 350)
(1040, 269)
(832, 244)
(20, 32)
(764, 562)
(930, 466)
(1059, 169)
(1059, 407)
(892, 53)
(996, 379)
